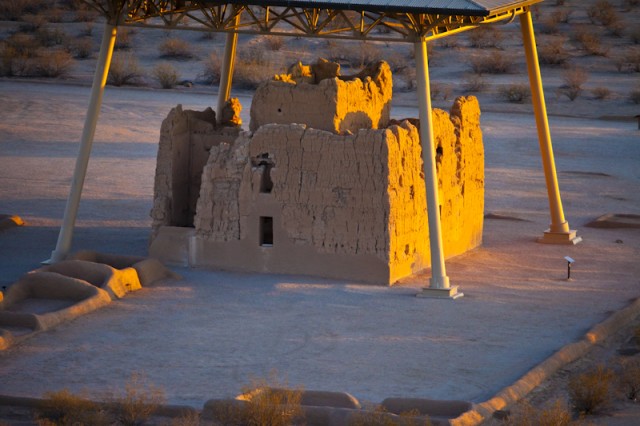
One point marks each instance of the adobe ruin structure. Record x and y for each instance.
(341, 194)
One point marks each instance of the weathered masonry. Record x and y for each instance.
(344, 198)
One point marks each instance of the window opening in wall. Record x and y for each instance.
(266, 231)
(265, 163)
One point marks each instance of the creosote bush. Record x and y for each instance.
(590, 392)
(629, 379)
(516, 93)
(62, 408)
(590, 43)
(124, 38)
(124, 69)
(474, 83)
(175, 48)
(138, 403)
(265, 402)
(553, 52)
(274, 43)
(212, 69)
(494, 63)
(573, 79)
(166, 74)
(484, 37)
(634, 96)
(601, 93)
(82, 48)
(556, 413)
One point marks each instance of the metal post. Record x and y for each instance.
(558, 232)
(439, 283)
(99, 81)
(226, 73)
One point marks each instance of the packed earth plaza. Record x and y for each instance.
(293, 235)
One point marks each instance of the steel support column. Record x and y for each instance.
(439, 283)
(226, 73)
(99, 81)
(558, 232)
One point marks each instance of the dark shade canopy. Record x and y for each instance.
(440, 7)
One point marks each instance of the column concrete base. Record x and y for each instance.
(440, 293)
(568, 237)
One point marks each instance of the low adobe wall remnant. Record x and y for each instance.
(292, 198)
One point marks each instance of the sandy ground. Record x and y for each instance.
(207, 335)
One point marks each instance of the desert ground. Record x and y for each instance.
(209, 334)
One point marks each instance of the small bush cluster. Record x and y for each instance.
(590, 43)
(573, 79)
(274, 43)
(212, 69)
(556, 413)
(601, 93)
(13, 10)
(124, 69)
(553, 53)
(602, 12)
(628, 60)
(175, 48)
(516, 93)
(379, 416)
(484, 37)
(124, 38)
(474, 83)
(634, 96)
(21, 55)
(590, 392)
(629, 379)
(252, 67)
(494, 63)
(166, 74)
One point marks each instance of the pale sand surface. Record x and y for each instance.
(207, 335)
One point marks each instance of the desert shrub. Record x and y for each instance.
(365, 54)
(166, 74)
(573, 79)
(190, 418)
(379, 416)
(266, 402)
(124, 69)
(590, 392)
(63, 408)
(474, 83)
(552, 21)
(589, 42)
(49, 37)
(82, 48)
(494, 63)
(13, 10)
(52, 63)
(630, 4)
(124, 39)
(634, 96)
(252, 67)
(408, 75)
(83, 13)
(602, 12)
(212, 69)
(553, 53)
(32, 23)
(485, 36)
(628, 60)
(556, 413)
(516, 93)
(138, 403)
(629, 378)
(634, 35)
(601, 93)
(273, 43)
(86, 30)
(175, 48)
(451, 42)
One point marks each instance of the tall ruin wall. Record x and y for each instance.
(334, 201)
(343, 206)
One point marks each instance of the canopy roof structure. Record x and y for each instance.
(408, 21)
(392, 20)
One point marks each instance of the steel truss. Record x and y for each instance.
(291, 21)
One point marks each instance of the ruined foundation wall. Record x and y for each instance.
(333, 104)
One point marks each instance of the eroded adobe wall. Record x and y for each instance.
(185, 140)
(333, 103)
(343, 206)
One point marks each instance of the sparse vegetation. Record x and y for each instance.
(474, 83)
(252, 67)
(63, 408)
(273, 43)
(124, 70)
(212, 69)
(573, 79)
(82, 48)
(634, 96)
(166, 74)
(486, 36)
(516, 93)
(175, 48)
(138, 402)
(556, 413)
(590, 392)
(553, 52)
(601, 93)
(494, 63)
(590, 43)
(13, 10)
(266, 402)
(124, 38)
(629, 379)
(381, 417)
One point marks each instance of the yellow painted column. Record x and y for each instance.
(97, 90)
(439, 284)
(226, 73)
(558, 232)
